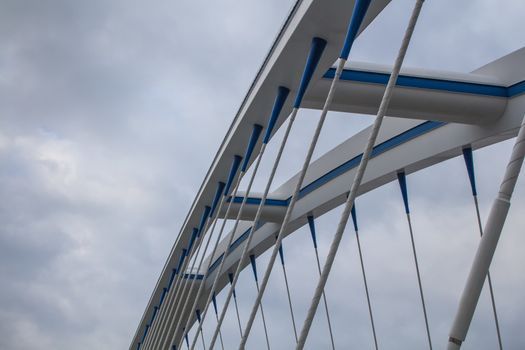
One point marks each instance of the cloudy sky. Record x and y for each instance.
(110, 114)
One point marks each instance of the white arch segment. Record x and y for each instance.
(403, 143)
(308, 18)
(484, 107)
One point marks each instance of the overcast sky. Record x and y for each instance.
(110, 114)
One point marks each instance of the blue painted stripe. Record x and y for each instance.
(215, 264)
(233, 246)
(387, 145)
(516, 89)
(240, 239)
(428, 83)
(257, 201)
(193, 276)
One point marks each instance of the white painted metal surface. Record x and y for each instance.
(478, 119)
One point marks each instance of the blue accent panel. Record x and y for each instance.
(145, 333)
(233, 170)
(256, 132)
(516, 89)
(423, 83)
(164, 291)
(193, 276)
(401, 177)
(395, 141)
(230, 278)
(360, 8)
(155, 309)
(469, 162)
(233, 246)
(218, 193)
(172, 277)
(215, 263)
(311, 223)
(204, 217)
(254, 267)
(354, 217)
(187, 340)
(316, 50)
(138, 345)
(193, 237)
(281, 254)
(198, 313)
(179, 265)
(257, 201)
(239, 240)
(214, 301)
(282, 94)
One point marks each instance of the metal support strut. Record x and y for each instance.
(487, 245)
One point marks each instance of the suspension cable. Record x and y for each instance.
(469, 163)
(165, 291)
(178, 288)
(311, 224)
(366, 154)
(249, 151)
(194, 247)
(402, 183)
(171, 292)
(281, 254)
(318, 46)
(198, 315)
(230, 277)
(214, 301)
(278, 105)
(356, 230)
(176, 316)
(181, 319)
(254, 268)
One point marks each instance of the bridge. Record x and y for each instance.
(422, 118)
